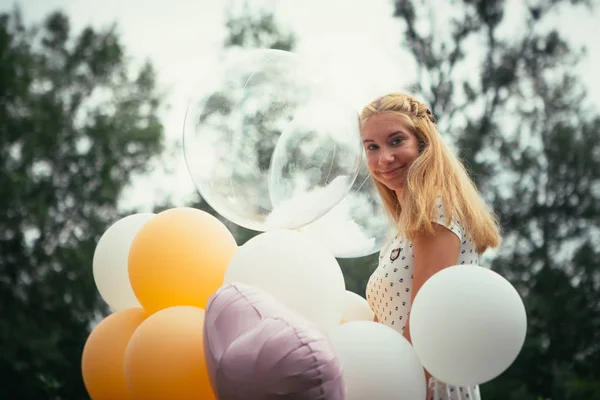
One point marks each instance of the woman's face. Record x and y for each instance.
(391, 148)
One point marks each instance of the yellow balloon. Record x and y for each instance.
(104, 352)
(179, 258)
(165, 357)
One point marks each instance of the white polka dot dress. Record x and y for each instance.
(389, 291)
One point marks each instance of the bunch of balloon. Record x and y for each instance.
(464, 312)
(274, 148)
(157, 272)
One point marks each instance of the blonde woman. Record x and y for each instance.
(440, 217)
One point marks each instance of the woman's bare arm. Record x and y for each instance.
(433, 252)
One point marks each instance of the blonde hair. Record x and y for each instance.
(436, 172)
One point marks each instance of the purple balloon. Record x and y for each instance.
(258, 349)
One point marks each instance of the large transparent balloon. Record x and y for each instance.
(270, 145)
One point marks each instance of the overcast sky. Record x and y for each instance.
(182, 37)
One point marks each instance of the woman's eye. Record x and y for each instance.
(371, 147)
(396, 141)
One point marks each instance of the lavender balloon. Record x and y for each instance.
(258, 349)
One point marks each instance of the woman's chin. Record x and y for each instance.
(395, 184)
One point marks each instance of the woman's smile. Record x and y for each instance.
(391, 172)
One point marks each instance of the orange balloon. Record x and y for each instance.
(179, 258)
(165, 357)
(104, 352)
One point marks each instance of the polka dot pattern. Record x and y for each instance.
(441, 391)
(389, 288)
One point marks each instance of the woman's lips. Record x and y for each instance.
(390, 172)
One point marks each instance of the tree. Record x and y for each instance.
(522, 126)
(248, 28)
(253, 27)
(75, 123)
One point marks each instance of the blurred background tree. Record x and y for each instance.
(76, 121)
(518, 117)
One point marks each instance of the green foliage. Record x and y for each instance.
(75, 123)
(257, 28)
(357, 272)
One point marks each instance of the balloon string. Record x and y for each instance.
(331, 165)
(363, 182)
(235, 196)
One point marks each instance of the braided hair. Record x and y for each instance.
(436, 172)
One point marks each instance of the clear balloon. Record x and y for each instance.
(268, 135)
(358, 225)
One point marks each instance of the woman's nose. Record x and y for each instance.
(386, 157)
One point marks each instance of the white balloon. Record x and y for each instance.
(356, 308)
(378, 362)
(110, 263)
(295, 269)
(467, 324)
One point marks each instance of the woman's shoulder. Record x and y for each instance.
(448, 218)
